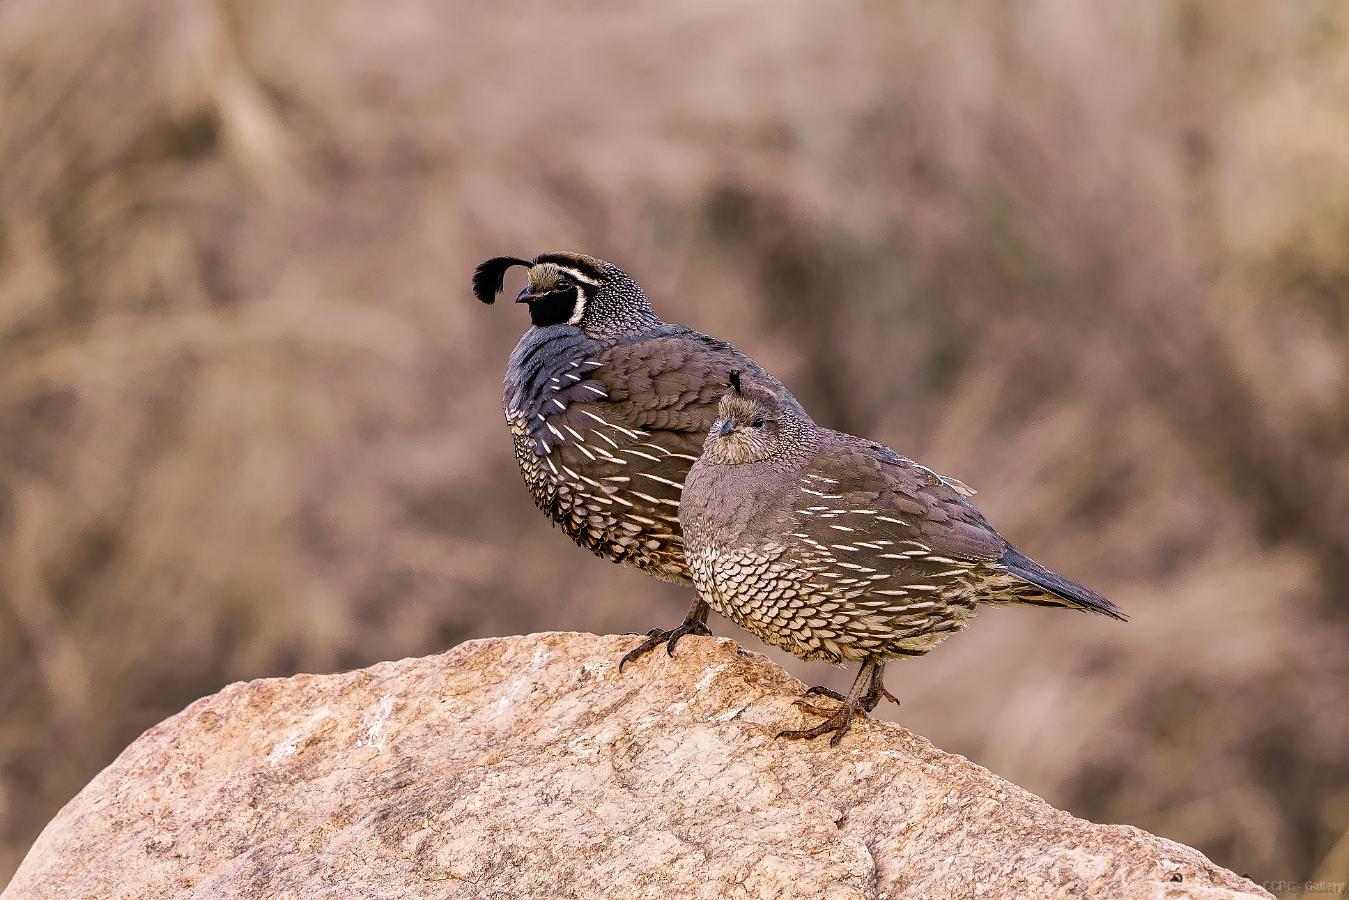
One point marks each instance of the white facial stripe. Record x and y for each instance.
(577, 276)
(580, 309)
(580, 279)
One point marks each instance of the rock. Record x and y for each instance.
(528, 767)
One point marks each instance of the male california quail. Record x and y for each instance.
(831, 546)
(608, 407)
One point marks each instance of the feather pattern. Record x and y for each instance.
(605, 433)
(830, 546)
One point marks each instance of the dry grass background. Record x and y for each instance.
(1093, 259)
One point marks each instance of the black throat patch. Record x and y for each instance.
(553, 308)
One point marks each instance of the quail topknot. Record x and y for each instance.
(608, 407)
(834, 547)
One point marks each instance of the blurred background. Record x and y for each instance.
(1091, 259)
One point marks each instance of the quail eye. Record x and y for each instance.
(562, 282)
(757, 423)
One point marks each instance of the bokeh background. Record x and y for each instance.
(1090, 258)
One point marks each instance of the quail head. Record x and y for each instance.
(833, 547)
(608, 406)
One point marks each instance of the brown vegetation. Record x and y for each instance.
(1093, 259)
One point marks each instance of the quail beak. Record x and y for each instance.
(726, 428)
(526, 294)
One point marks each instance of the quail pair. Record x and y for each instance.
(656, 446)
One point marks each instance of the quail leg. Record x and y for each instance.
(876, 691)
(865, 693)
(694, 623)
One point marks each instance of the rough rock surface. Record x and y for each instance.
(528, 767)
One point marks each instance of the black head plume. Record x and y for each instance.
(489, 277)
(735, 381)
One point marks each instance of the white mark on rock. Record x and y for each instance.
(290, 744)
(581, 747)
(519, 687)
(374, 721)
(731, 713)
(706, 681)
(703, 684)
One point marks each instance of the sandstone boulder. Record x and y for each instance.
(528, 767)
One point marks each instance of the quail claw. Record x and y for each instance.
(684, 630)
(838, 721)
(637, 652)
(820, 690)
(813, 709)
(657, 636)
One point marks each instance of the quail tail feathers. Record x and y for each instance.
(1059, 591)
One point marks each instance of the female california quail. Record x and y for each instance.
(833, 547)
(608, 407)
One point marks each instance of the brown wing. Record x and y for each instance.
(911, 533)
(880, 494)
(643, 412)
(898, 515)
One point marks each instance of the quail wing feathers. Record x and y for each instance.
(606, 433)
